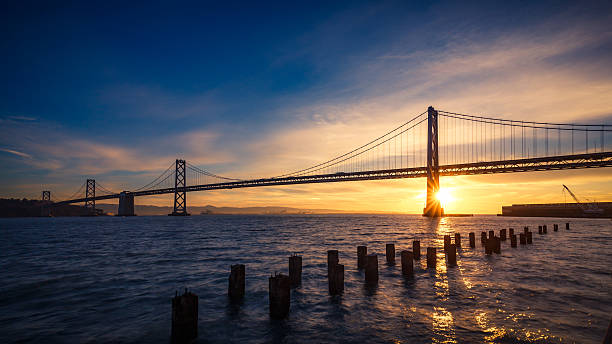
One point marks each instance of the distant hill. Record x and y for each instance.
(34, 208)
(144, 210)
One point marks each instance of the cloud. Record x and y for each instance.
(21, 154)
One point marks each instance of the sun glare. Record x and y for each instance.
(444, 196)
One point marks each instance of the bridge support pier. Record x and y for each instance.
(126, 204)
(433, 207)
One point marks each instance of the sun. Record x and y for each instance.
(444, 196)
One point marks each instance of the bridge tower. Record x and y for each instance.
(90, 194)
(432, 204)
(180, 195)
(45, 210)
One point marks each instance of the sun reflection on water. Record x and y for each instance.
(443, 326)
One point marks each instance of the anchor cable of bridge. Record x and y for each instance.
(532, 124)
(157, 181)
(204, 172)
(496, 139)
(104, 190)
(346, 156)
(80, 191)
(366, 150)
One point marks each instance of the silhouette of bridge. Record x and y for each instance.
(432, 144)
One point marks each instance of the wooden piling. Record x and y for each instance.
(362, 252)
(556, 227)
(483, 238)
(416, 249)
(390, 253)
(407, 264)
(472, 240)
(529, 238)
(539, 230)
(235, 289)
(451, 255)
(447, 241)
(431, 257)
(544, 229)
(332, 273)
(525, 229)
(497, 245)
(371, 268)
(295, 270)
(491, 234)
(332, 261)
(458, 240)
(513, 240)
(279, 293)
(336, 281)
(184, 317)
(510, 232)
(567, 227)
(489, 246)
(502, 234)
(522, 239)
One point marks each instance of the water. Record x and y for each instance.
(74, 280)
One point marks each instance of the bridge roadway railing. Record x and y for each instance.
(590, 160)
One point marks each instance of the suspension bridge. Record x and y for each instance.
(432, 144)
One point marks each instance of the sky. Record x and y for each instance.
(117, 92)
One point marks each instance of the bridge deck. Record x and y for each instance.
(591, 160)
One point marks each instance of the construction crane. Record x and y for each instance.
(587, 208)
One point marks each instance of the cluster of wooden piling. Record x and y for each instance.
(185, 306)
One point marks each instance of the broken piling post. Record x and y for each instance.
(522, 239)
(362, 252)
(567, 226)
(295, 270)
(483, 238)
(489, 246)
(447, 241)
(451, 255)
(416, 249)
(497, 245)
(335, 273)
(371, 268)
(529, 238)
(184, 317)
(502, 234)
(431, 257)
(513, 240)
(279, 294)
(390, 253)
(458, 240)
(472, 240)
(332, 261)
(336, 281)
(235, 289)
(407, 267)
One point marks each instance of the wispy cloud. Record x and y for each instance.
(18, 153)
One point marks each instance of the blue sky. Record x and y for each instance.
(116, 93)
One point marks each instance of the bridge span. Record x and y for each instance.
(474, 145)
